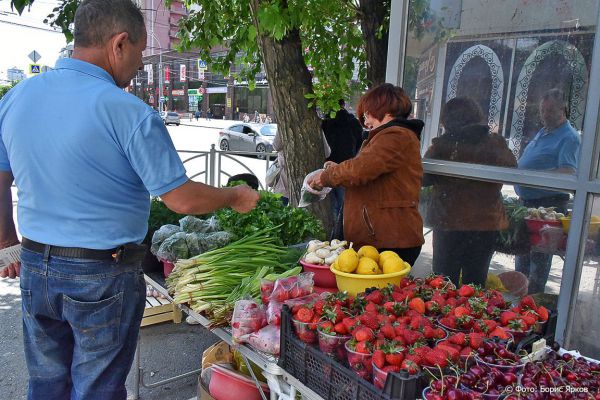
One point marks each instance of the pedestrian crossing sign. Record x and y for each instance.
(35, 68)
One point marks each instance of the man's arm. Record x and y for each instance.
(197, 198)
(8, 233)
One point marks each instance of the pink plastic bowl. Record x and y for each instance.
(226, 384)
(323, 276)
(167, 268)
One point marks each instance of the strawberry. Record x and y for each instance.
(506, 317)
(372, 308)
(410, 366)
(432, 307)
(375, 296)
(304, 314)
(395, 308)
(326, 326)
(466, 352)
(466, 291)
(363, 334)
(449, 322)
(460, 311)
(364, 347)
(458, 338)
(314, 322)
(529, 318)
(319, 304)
(436, 358)
(350, 323)
(369, 320)
(437, 282)
(438, 298)
(394, 358)
(528, 303)
(388, 331)
(518, 325)
(452, 352)
(417, 304)
(411, 337)
(429, 332)
(500, 333)
(543, 313)
(392, 368)
(340, 329)
(475, 340)
(439, 333)
(379, 358)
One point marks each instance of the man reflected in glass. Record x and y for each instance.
(555, 148)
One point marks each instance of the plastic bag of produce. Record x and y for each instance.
(173, 248)
(309, 195)
(266, 339)
(248, 317)
(161, 235)
(274, 308)
(266, 288)
(292, 287)
(214, 240)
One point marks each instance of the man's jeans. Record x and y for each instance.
(536, 267)
(81, 320)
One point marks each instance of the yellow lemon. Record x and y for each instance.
(385, 255)
(369, 251)
(347, 261)
(367, 266)
(393, 265)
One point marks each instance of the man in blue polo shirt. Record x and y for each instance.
(85, 162)
(555, 148)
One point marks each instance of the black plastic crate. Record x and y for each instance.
(332, 380)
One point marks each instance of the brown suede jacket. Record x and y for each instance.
(382, 185)
(458, 204)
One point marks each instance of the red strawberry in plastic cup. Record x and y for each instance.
(333, 344)
(304, 332)
(359, 362)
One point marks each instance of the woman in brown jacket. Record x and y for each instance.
(383, 181)
(466, 214)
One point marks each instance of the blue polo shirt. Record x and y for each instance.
(85, 156)
(549, 150)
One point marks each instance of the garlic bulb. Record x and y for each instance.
(329, 260)
(313, 258)
(323, 253)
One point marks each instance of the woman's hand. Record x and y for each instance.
(315, 181)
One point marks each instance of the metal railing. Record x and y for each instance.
(213, 171)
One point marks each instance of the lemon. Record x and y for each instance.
(385, 255)
(369, 251)
(367, 266)
(347, 261)
(393, 264)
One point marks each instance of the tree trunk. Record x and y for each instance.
(298, 125)
(372, 14)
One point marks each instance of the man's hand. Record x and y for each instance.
(11, 271)
(245, 199)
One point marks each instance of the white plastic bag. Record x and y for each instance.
(309, 195)
(273, 174)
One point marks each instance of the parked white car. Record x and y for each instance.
(248, 137)
(170, 117)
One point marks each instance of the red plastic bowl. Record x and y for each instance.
(226, 384)
(534, 225)
(167, 268)
(323, 276)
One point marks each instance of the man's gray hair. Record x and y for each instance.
(96, 21)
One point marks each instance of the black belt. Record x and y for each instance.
(127, 253)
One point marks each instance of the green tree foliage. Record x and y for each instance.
(5, 88)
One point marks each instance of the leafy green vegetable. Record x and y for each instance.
(514, 239)
(290, 225)
(160, 215)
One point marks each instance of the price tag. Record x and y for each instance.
(10, 255)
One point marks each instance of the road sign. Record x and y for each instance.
(34, 56)
(162, 98)
(35, 68)
(202, 64)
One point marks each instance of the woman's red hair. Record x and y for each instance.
(384, 99)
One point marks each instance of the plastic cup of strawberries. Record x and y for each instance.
(333, 344)
(305, 331)
(360, 363)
